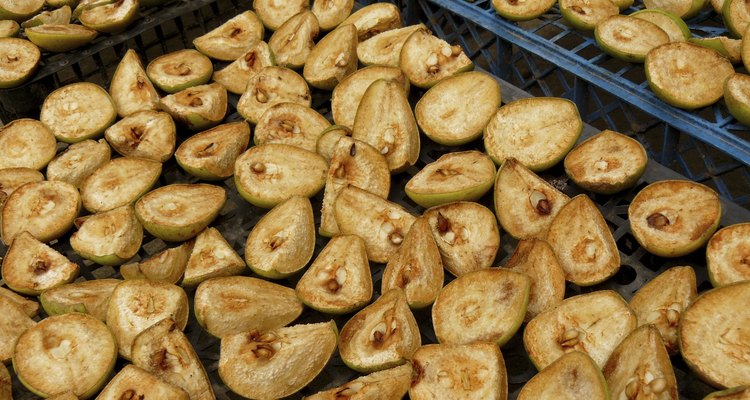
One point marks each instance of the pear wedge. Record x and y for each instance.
(385, 48)
(339, 280)
(271, 86)
(736, 393)
(13, 178)
(487, 305)
(19, 62)
(166, 352)
(673, 25)
(9, 28)
(234, 77)
(211, 257)
(353, 163)
(179, 212)
(332, 59)
(662, 301)
(31, 267)
(347, 95)
(131, 89)
(166, 266)
(328, 140)
(145, 134)
(465, 371)
(234, 304)
(233, 38)
(268, 174)
(585, 15)
(277, 363)
(535, 258)
(291, 123)
(13, 322)
(6, 385)
(135, 305)
(58, 16)
(109, 238)
(136, 383)
(380, 336)
(26, 143)
(385, 121)
(392, 383)
(180, 70)
(211, 154)
(30, 307)
(109, 16)
(88, 297)
(78, 111)
(427, 59)
(331, 13)
(79, 161)
(726, 254)
(46, 209)
(521, 10)
(593, 323)
(275, 13)
(283, 241)
(60, 38)
(583, 243)
(19, 10)
(554, 381)
(198, 107)
(374, 19)
(292, 42)
(119, 182)
(381, 223)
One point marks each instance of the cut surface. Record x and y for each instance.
(198, 107)
(347, 95)
(673, 25)
(515, 10)
(166, 266)
(13, 178)
(180, 70)
(385, 48)
(332, 59)
(133, 381)
(79, 161)
(30, 307)
(586, 14)
(374, 19)
(211, 154)
(737, 96)
(46, 209)
(291, 123)
(736, 16)
(9, 28)
(328, 140)
(536, 259)
(20, 60)
(131, 89)
(271, 86)
(728, 253)
(60, 38)
(78, 111)
(211, 257)
(119, 182)
(26, 143)
(234, 77)
(13, 322)
(232, 39)
(89, 297)
(427, 59)
(554, 381)
(144, 134)
(19, 10)
(392, 383)
(331, 13)
(109, 238)
(292, 42)
(31, 267)
(274, 13)
(629, 39)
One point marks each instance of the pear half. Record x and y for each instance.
(88, 297)
(107, 16)
(629, 39)
(292, 42)
(109, 238)
(19, 62)
(31, 267)
(60, 38)
(211, 154)
(166, 266)
(585, 14)
(131, 89)
(515, 10)
(332, 59)
(210, 257)
(331, 13)
(274, 13)
(133, 382)
(198, 107)
(736, 17)
(271, 86)
(9, 28)
(537, 259)
(231, 39)
(554, 381)
(118, 182)
(180, 70)
(392, 383)
(234, 77)
(347, 95)
(385, 48)
(78, 111)
(79, 161)
(144, 134)
(727, 255)
(427, 59)
(26, 143)
(19, 10)
(373, 19)
(13, 323)
(291, 123)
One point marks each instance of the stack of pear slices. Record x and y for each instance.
(305, 178)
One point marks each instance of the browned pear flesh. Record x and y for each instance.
(347, 95)
(6, 387)
(232, 39)
(292, 43)
(736, 393)
(271, 86)
(487, 305)
(137, 304)
(332, 59)
(109, 238)
(385, 48)
(374, 19)
(583, 243)
(31, 267)
(381, 223)
(198, 107)
(79, 161)
(30, 307)
(466, 234)
(356, 163)
(78, 111)
(107, 16)
(292, 124)
(234, 77)
(535, 258)
(134, 383)
(274, 13)
(593, 323)
(293, 356)
(131, 89)
(20, 60)
(427, 59)
(728, 253)
(662, 301)
(166, 352)
(235, 304)
(339, 279)
(88, 297)
(525, 204)
(554, 381)
(328, 140)
(119, 182)
(26, 143)
(331, 13)
(13, 178)
(381, 335)
(416, 267)
(180, 70)
(211, 257)
(166, 266)
(145, 134)
(474, 371)
(713, 335)
(674, 218)
(211, 154)
(13, 322)
(392, 383)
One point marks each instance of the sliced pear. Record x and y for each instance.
(593, 323)
(662, 301)
(179, 212)
(26, 143)
(463, 371)
(211, 257)
(736, 16)
(131, 89)
(640, 366)
(737, 98)
(283, 241)
(353, 163)
(134, 383)
(348, 94)
(79, 161)
(381, 335)
(144, 134)
(137, 304)
(674, 218)
(457, 176)
(628, 39)
(727, 255)
(19, 61)
(166, 266)
(515, 10)
(13, 178)
(374, 19)
(46, 209)
(339, 280)
(385, 48)
(9, 28)
(331, 13)
(536, 259)
(60, 38)
(274, 13)
(293, 356)
(291, 123)
(232, 39)
(271, 86)
(109, 16)
(19, 10)
(487, 305)
(211, 155)
(585, 14)
(119, 182)
(385, 121)
(684, 9)
(292, 42)
(328, 140)
(332, 59)
(525, 204)
(72, 352)
(392, 383)
(381, 223)
(198, 107)
(234, 77)
(13, 322)
(727, 47)
(230, 305)
(166, 352)
(29, 307)
(736, 393)
(88, 297)
(673, 25)
(268, 174)
(109, 238)
(6, 387)
(58, 16)
(180, 70)
(583, 243)
(554, 381)
(538, 132)
(78, 111)
(427, 59)
(31, 267)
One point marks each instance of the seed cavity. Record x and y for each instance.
(443, 224)
(261, 96)
(432, 60)
(159, 360)
(396, 237)
(353, 150)
(570, 338)
(131, 394)
(341, 60)
(540, 202)
(657, 220)
(39, 267)
(601, 165)
(258, 168)
(169, 206)
(62, 350)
